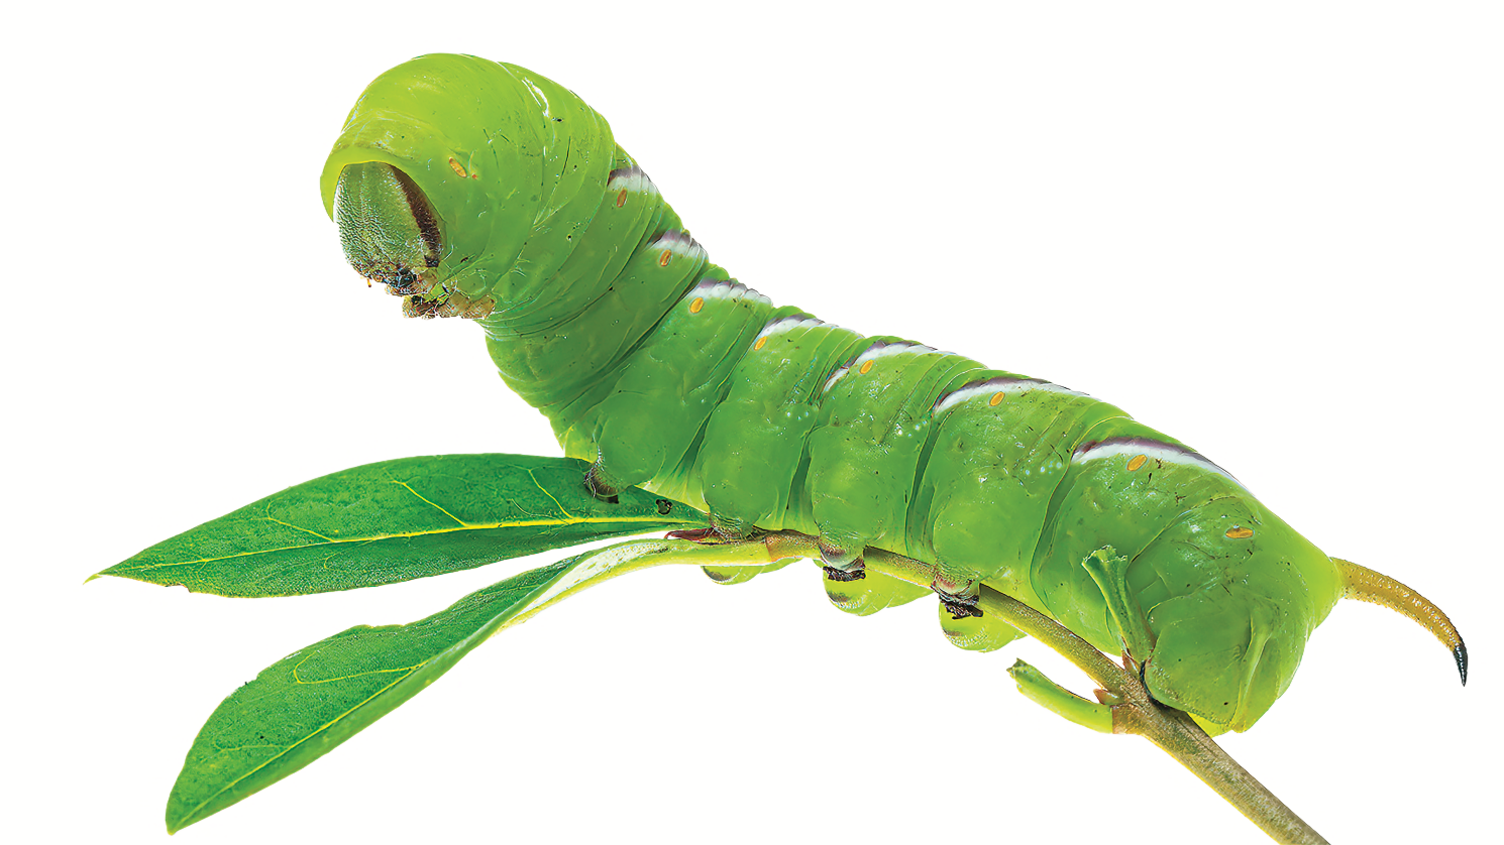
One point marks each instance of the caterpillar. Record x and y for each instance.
(479, 190)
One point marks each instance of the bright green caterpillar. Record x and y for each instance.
(486, 191)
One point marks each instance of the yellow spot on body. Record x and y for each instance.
(663, 259)
(761, 342)
(866, 366)
(996, 400)
(1239, 533)
(694, 307)
(455, 166)
(1136, 462)
(621, 198)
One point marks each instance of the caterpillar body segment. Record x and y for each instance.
(602, 312)
(875, 423)
(554, 366)
(661, 399)
(1003, 445)
(754, 443)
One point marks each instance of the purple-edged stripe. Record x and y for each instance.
(1155, 449)
(787, 324)
(723, 289)
(677, 242)
(997, 384)
(631, 179)
(878, 349)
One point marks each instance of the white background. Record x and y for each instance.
(1273, 233)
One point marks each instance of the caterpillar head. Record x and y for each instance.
(458, 183)
(392, 235)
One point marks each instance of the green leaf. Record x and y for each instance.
(399, 520)
(310, 701)
(307, 703)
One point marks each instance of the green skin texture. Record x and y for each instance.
(606, 317)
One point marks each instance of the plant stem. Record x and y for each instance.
(1136, 711)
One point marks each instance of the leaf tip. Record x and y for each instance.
(177, 819)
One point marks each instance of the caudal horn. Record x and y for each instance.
(1364, 584)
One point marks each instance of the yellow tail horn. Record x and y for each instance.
(1364, 584)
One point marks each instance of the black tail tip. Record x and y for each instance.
(1460, 653)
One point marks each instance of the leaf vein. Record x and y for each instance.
(404, 486)
(311, 734)
(298, 528)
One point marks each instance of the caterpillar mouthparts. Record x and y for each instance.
(401, 282)
(425, 298)
(447, 304)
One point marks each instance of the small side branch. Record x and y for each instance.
(1172, 730)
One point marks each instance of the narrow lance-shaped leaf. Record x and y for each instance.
(305, 704)
(399, 520)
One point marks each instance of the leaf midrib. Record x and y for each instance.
(395, 536)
